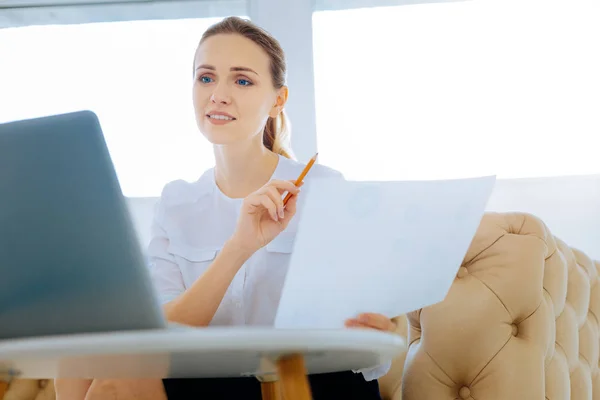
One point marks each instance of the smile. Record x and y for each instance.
(221, 117)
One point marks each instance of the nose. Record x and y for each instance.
(220, 95)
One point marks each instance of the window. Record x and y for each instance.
(459, 89)
(135, 75)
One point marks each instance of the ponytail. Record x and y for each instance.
(276, 136)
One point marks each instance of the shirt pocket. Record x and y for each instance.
(270, 272)
(192, 261)
(277, 257)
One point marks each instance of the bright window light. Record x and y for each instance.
(137, 76)
(431, 91)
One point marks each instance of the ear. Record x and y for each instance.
(280, 100)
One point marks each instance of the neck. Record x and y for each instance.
(243, 168)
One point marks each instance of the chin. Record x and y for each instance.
(219, 135)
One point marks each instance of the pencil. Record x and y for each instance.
(301, 177)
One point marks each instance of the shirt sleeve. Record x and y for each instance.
(164, 271)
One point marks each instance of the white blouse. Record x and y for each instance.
(191, 224)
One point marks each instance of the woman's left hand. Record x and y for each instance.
(372, 321)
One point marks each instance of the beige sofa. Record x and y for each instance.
(520, 322)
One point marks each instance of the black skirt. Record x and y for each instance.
(345, 385)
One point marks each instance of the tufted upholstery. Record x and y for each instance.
(519, 322)
(30, 389)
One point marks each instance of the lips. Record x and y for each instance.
(221, 116)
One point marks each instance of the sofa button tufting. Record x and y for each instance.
(515, 329)
(462, 272)
(464, 392)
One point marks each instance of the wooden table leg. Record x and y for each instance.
(270, 390)
(3, 389)
(292, 375)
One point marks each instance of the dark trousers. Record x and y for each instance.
(345, 385)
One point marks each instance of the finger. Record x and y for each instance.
(354, 323)
(267, 203)
(377, 321)
(275, 196)
(291, 194)
(298, 185)
(294, 182)
(290, 210)
(264, 201)
(351, 322)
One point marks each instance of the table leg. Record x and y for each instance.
(270, 390)
(292, 375)
(3, 389)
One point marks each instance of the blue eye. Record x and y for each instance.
(205, 79)
(244, 82)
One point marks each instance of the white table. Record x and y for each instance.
(204, 352)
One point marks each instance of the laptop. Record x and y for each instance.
(70, 261)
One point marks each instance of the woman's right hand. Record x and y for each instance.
(263, 215)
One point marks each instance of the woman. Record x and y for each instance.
(217, 254)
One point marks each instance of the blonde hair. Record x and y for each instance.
(277, 131)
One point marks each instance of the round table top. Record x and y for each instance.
(194, 352)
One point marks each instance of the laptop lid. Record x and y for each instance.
(70, 261)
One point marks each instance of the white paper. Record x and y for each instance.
(382, 247)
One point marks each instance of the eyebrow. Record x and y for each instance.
(235, 69)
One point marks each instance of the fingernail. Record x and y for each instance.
(281, 215)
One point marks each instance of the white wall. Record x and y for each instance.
(570, 206)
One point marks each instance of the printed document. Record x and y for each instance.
(382, 247)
